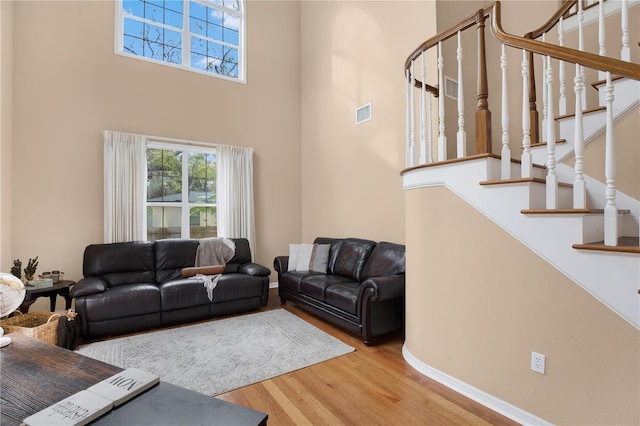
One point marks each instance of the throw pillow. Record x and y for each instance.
(294, 254)
(313, 258)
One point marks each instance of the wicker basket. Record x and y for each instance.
(39, 325)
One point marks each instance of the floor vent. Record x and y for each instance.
(363, 113)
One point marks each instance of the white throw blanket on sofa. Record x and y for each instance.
(211, 252)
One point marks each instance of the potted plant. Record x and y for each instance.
(30, 269)
(16, 269)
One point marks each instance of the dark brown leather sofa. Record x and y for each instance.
(363, 290)
(136, 286)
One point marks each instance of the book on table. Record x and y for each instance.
(87, 405)
(123, 386)
(77, 410)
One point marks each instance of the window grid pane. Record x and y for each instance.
(164, 176)
(164, 188)
(153, 29)
(203, 222)
(163, 222)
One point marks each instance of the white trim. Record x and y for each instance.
(496, 404)
(273, 284)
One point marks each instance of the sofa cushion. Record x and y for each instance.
(122, 302)
(172, 255)
(385, 260)
(182, 293)
(238, 286)
(343, 296)
(291, 280)
(243, 251)
(351, 257)
(120, 263)
(315, 285)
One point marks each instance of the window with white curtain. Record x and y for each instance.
(157, 188)
(181, 192)
(205, 36)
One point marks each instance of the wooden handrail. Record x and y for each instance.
(590, 60)
(553, 21)
(447, 34)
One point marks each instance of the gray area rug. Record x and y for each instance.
(222, 355)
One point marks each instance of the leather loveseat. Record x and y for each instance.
(362, 290)
(136, 286)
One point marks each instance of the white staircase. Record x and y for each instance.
(611, 277)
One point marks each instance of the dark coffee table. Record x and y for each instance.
(60, 288)
(36, 375)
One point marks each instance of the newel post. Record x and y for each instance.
(483, 115)
(533, 112)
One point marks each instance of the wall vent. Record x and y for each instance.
(450, 88)
(363, 113)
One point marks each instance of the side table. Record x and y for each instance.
(60, 288)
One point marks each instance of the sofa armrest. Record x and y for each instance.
(384, 288)
(88, 285)
(281, 263)
(254, 269)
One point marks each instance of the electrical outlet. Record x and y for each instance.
(537, 362)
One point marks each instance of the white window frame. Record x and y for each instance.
(186, 39)
(185, 205)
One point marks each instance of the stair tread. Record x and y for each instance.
(601, 82)
(561, 211)
(521, 180)
(539, 144)
(625, 245)
(586, 111)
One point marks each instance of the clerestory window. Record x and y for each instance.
(205, 36)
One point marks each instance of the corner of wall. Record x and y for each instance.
(6, 130)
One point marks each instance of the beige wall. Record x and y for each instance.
(69, 86)
(479, 323)
(352, 54)
(6, 124)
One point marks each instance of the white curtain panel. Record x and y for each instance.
(235, 193)
(125, 186)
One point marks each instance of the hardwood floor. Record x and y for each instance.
(370, 386)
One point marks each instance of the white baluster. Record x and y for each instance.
(602, 50)
(562, 101)
(579, 189)
(442, 139)
(462, 135)
(506, 152)
(526, 162)
(552, 178)
(430, 131)
(581, 46)
(625, 55)
(412, 144)
(407, 159)
(545, 99)
(423, 114)
(610, 209)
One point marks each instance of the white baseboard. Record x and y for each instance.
(273, 284)
(489, 401)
